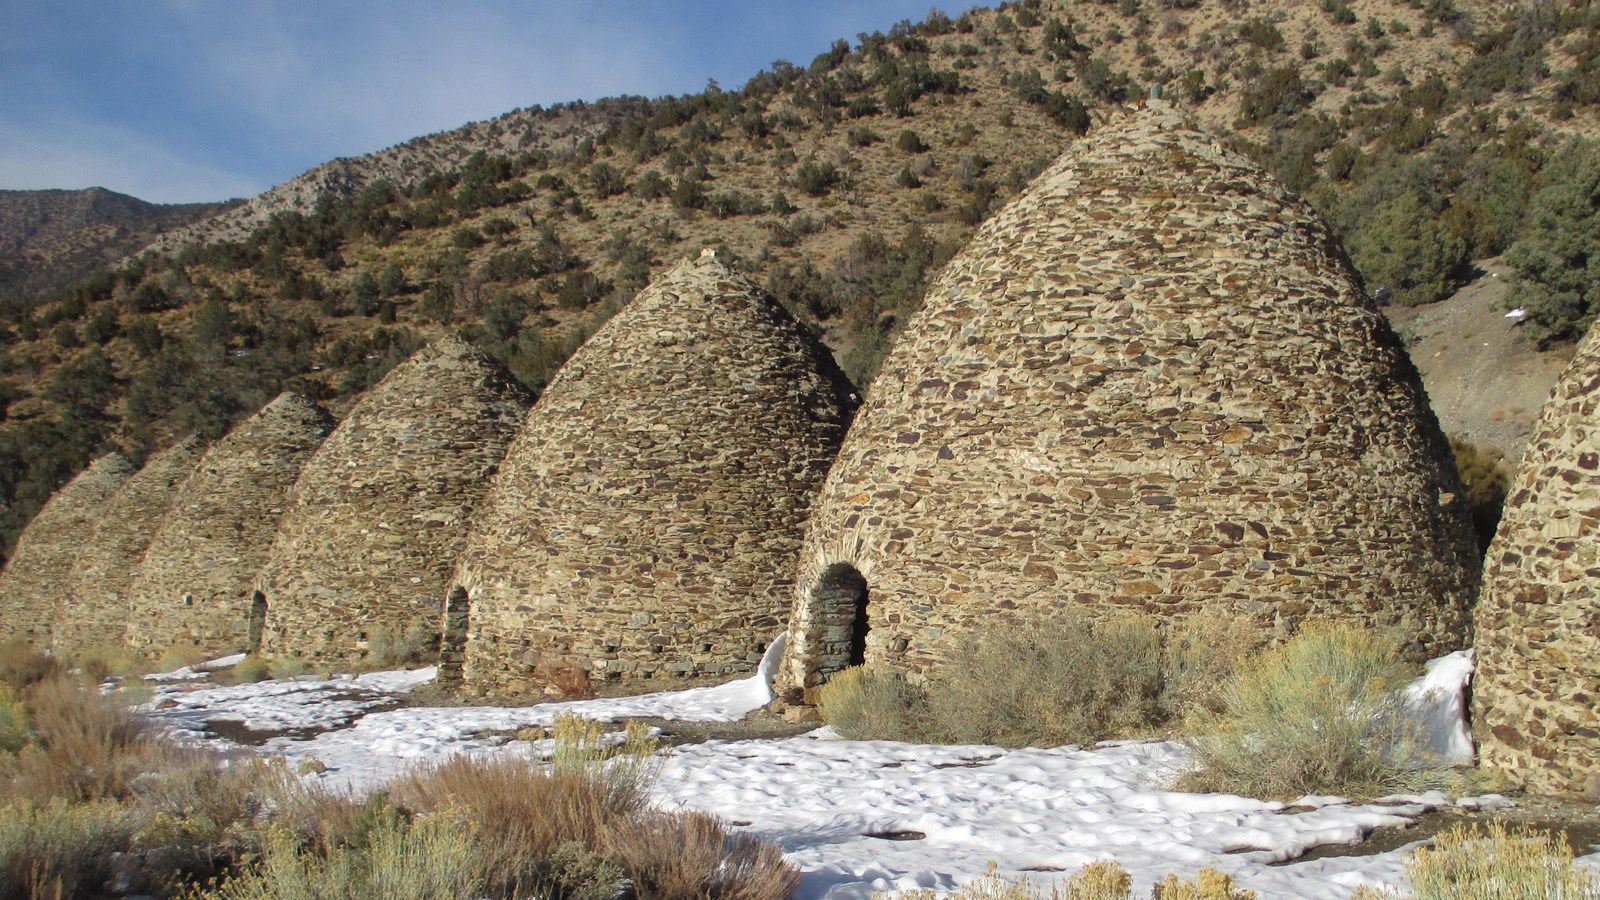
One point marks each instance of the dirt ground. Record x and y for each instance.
(1485, 379)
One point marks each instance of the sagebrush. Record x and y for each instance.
(1075, 681)
(1324, 713)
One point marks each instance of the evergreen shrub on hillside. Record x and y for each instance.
(1404, 248)
(1557, 262)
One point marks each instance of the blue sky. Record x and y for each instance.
(186, 100)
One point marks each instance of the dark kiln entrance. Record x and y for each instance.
(839, 605)
(255, 623)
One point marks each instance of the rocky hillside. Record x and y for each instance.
(50, 239)
(1419, 130)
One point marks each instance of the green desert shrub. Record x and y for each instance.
(1467, 862)
(103, 662)
(865, 703)
(416, 644)
(83, 745)
(179, 656)
(1403, 247)
(1074, 682)
(13, 721)
(403, 859)
(1324, 713)
(1557, 268)
(59, 848)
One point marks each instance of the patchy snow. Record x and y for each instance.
(864, 816)
(1439, 699)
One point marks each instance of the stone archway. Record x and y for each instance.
(255, 622)
(453, 638)
(839, 604)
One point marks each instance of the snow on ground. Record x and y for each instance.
(863, 816)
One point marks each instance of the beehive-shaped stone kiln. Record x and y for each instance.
(41, 566)
(647, 518)
(193, 590)
(1151, 382)
(381, 511)
(1536, 692)
(94, 612)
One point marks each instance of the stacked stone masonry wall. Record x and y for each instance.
(381, 511)
(647, 519)
(193, 589)
(94, 611)
(1149, 383)
(40, 569)
(1536, 691)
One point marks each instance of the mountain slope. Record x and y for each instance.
(48, 239)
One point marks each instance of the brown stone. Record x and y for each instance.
(381, 511)
(1536, 636)
(41, 566)
(193, 586)
(1246, 388)
(658, 492)
(96, 609)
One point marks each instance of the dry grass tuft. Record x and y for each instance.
(1074, 682)
(22, 664)
(415, 645)
(1494, 863)
(1208, 884)
(1202, 654)
(688, 855)
(179, 656)
(101, 664)
(1102, 880)
(84, 746)
(564, 679)
(1071, 682)
(61, 849)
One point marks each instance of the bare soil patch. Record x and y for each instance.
(1485, 379)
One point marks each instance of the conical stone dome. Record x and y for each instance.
(40, 568)
(94, 612)
(647, 518)
(1536, 691)
(193, 589)
(1151, 382)
(381, 511)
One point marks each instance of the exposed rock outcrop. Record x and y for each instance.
(1536, 692)
(381, 511)
(646, 520)
(1152, 382)
(40, 569)
(94, 610)
(193, 590)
